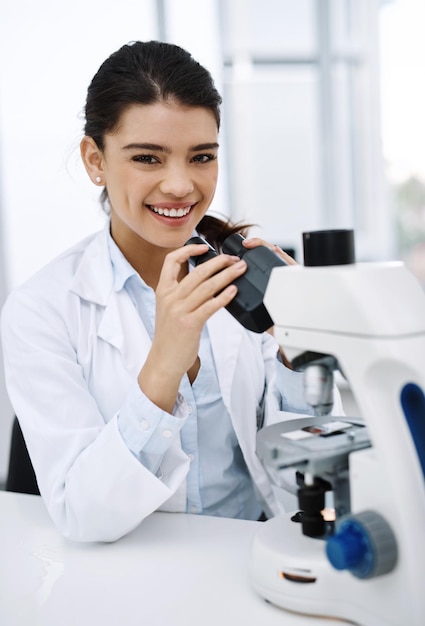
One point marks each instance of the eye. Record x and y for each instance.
(204, 158)
(148, 159)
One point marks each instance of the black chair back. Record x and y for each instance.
(21, 477)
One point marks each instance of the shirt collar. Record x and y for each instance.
(121, 268)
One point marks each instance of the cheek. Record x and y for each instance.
(210, 182)
(213, 188)
(127, 188)
(122, 200)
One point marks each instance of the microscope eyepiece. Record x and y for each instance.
(209, 254)
(233, 245)
(328, 247)
(247, 306)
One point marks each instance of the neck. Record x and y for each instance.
(147, 260)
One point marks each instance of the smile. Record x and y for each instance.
(171, 212)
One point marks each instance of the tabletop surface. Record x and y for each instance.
(173, 569)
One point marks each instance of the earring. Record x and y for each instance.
(98, 179)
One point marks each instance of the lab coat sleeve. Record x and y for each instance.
(93, 486)
(148, 430)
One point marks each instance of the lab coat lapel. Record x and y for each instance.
(122, 327)
(120, 324)
(225, 335)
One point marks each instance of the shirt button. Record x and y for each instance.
(189, 409)
(191, 457)
(194, 509)
(144, 424)
(167, 433)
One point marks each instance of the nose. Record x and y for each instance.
(177, 182)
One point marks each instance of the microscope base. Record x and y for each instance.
(291, 571)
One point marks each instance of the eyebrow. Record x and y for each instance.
(157, 148)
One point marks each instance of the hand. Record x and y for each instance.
(183, 305)
(254, 242)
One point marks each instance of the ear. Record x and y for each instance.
(93, 160)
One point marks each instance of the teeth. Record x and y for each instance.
(171, 212)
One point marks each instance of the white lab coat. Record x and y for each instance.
(73, 347)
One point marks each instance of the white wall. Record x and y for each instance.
(49, 52)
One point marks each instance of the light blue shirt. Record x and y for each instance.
(218, 482)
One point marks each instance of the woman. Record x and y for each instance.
(135, 388)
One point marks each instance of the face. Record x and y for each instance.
(160, 170)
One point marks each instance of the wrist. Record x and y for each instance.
(159, 385)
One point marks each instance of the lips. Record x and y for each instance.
(171, 211)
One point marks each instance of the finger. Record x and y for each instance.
(171, 270)
(175, 259)
(203, 312)
(284, 255)
(254, 242)
(205, 283)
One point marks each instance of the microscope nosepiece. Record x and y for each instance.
(318, 388)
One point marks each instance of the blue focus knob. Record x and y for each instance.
(364, 544)
(347, 549)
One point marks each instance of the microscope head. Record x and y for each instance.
(322, 248)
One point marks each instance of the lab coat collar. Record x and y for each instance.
(93, 280)
(120, 324)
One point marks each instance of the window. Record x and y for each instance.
(302, 119)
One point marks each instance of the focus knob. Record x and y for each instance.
(364, 544)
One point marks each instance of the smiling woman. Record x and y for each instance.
(156, 74)
(135, 388)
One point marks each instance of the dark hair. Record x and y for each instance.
(145, 73)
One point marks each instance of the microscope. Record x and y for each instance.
(355, 548)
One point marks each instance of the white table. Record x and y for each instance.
(173, 570)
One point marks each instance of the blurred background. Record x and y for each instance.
(323, 121)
